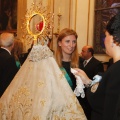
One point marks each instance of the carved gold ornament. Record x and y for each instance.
(37, 24)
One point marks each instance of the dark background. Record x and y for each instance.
(104, 10)
(8, 15)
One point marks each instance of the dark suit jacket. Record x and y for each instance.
(92, 68)
(105, 101)
(110, 62)
(117, 112)
(8, 69)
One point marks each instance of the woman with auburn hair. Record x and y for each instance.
(67, 54)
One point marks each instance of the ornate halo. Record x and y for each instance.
(35, 29)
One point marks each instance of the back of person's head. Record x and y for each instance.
(91, 50)
(113, 27)
(58, 54)
(6, 39)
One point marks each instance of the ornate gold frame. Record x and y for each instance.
(28, 25)
(47, 18)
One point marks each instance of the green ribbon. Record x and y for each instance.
(67, 77)
(18, 64)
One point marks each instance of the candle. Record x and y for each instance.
(59, 10)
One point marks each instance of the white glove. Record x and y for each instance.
(79, 85)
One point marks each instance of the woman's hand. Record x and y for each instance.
(83, 76)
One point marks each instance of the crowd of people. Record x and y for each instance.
(102, 96)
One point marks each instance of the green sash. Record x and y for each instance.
(67, 77)
(18, 64)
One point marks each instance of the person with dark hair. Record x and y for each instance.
(104, 92)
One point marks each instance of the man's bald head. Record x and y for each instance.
(87, 52)
(6, 39)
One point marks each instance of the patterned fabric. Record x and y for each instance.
(39, 91)
(40, 52)
(79, 90)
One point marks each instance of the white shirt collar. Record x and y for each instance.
(89, 59)
(6, 50)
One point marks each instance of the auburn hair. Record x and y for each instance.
(58, 54)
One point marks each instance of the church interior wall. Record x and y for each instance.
(75, 14)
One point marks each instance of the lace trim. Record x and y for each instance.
(39, 52)
(79, 90)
